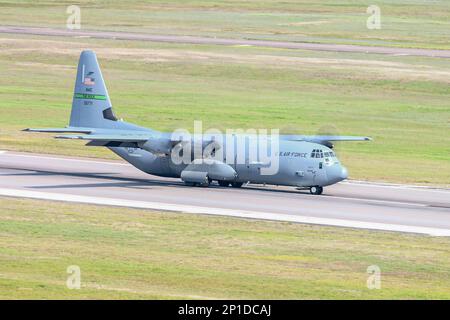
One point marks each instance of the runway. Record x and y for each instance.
(350, 204)
(40, 31)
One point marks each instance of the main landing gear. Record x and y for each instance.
(223, 183)
(316, 190)
(208, 181)
(205, 183)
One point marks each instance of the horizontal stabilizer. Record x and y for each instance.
(109, 137)
(328, 138)
(342, 138)
(61, 130)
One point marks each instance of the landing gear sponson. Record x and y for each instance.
(316, 190)
(208, 181)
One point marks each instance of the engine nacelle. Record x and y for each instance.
(199, 171)
(157, 146)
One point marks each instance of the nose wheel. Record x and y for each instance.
(316, 190)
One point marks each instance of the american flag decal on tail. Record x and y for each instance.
(87, 80)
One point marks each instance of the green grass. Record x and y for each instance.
(127, 253)
(402, 102)
(408, 23)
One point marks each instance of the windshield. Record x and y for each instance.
(319, 153)
(329, 156)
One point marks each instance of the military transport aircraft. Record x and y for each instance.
(306, 162)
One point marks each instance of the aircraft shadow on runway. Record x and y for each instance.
(125, 182)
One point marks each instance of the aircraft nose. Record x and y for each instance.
(336, 173)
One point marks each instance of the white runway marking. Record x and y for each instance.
(224, 212)
(396, 186)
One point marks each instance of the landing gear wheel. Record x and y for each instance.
(223, 183)
(316, 190)
(237, 184)
(206, 183)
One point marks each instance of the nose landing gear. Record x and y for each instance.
(316, 190)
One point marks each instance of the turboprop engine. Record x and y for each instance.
(157, 146)
(202, 171)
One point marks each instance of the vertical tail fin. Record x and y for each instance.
(91, 106)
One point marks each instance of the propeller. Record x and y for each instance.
(329, 130)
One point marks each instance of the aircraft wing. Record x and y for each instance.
(158, 145)
(327, 140)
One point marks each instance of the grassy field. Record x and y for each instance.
(127, 253)
(402, 102)
(409, 23)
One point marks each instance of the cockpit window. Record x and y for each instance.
(328, 156)
(317, 153)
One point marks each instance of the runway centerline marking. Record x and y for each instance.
(224, 212)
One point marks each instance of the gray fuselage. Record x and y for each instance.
(297, 165)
